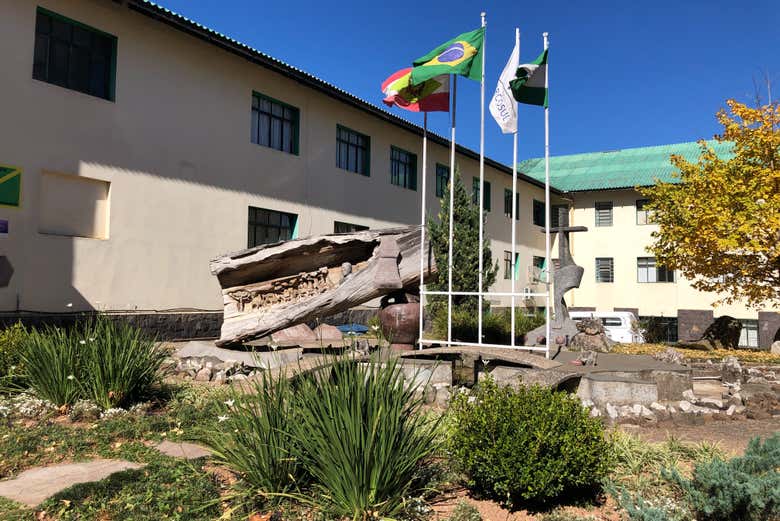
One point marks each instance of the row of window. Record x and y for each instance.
(268, 226)
(603, 212)
(646, 270)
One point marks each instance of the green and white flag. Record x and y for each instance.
(529, 85)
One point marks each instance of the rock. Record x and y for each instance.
(712, 403)
(670, 356)
(686, 406)
(297, 333)
(587, 403)
(731, 370)
(731, 410)
(443, 394)
(220, 377)
(758, 414)
(689, 396)
(237, 378)
(326, 333)
(204, 375)
(429, 394)
(612, 411)
(757, 380)
(595, 412)
(735, 399)
(657, 406)
(591, 337)
(756, 392)
(775, 348)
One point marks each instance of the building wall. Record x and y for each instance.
(624, 241)
(124, 203)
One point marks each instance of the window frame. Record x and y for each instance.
(111, 66)
(348, 227)
(660, 274)
(475, 191)
(611, 270)
(252, 226)
(538, 206)
(604, 206)
(554, 219)
(642, 211)
(410, 178)
(295, 121)
(440, 169)
(366, 157)
(749, 332)
(508, 204)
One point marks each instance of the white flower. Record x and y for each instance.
(229, 403)
(91, 339)
(222, 418)
(375, 328)
(71, 377)
(82, 342)
(273, 346)
(69, 305)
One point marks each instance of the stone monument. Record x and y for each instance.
(567, 275)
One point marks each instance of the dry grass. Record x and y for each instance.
(716, 355)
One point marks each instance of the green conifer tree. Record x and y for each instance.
(465, 263)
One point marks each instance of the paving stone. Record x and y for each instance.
(183, 450)
(32, 486)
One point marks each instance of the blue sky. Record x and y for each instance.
(622, 74)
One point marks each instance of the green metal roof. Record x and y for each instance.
(616, 168)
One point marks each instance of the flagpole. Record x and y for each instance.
(481, 178)
(452, 205)
(422, 221)
(547, 198)
(513, 264)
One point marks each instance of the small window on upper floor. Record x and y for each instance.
(72, 55)
(555, 216)
(475, 193)
(605, 269)
(508, 204)
(538, 213)
(342, 227)
(274, 124)
(403, 168)
(353, 151)
(269, 226)
(648, 271)
(604, 213)
(643, 215)
(442, 179)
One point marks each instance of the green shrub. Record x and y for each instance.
(529, 444)
(253, 438)
(745, 488)
(465, 511)
(11, 369)
(107, 362)
(496, 327)
(119, 364)
(362, 437)
(51, 359)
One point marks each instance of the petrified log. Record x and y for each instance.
(275, 286)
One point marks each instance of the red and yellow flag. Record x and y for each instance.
(432, 95)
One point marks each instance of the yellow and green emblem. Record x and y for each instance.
(10, 185)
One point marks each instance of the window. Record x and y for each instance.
(643, 216)
(274, 124)
(340, 227)
(612, 321)
(604, 213)
(508, 265)
(353, 151)
(659, 329)
(555, 216)
(538, 213)
(267, 226)
(442, 179)
(748, 337)
(648, 271)
(72, 55)
(508, 204)
(475, 193)
(403, 168)
(605, 269)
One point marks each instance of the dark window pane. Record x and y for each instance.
(42, 24)
(82, 37)
(264, 137)
(41, 57)
(58, 68)
(61, 29)
(78, 72)
(99, 77)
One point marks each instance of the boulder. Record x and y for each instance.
(204, 375)
(670, 356)
(591, 337)
(731, 371)
(326, 333)
(775, 348)
(297, 333)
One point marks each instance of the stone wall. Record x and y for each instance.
(768, 328)
(691, 323)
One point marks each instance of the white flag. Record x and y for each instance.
(503, 106)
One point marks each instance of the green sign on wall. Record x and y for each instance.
(10, 185)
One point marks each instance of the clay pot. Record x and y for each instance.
(400, 322)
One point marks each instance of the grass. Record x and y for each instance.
(743, 355)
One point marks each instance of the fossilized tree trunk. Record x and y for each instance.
(272, 287)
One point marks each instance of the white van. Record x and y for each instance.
(620, 326)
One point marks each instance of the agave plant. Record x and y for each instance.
(51, 359)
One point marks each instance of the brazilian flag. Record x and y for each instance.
(461, 55)
(10, 185)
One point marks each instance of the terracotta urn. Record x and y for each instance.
(399, 319)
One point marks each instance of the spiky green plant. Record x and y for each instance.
(51, 359)
(254, 438)
(361, 438)
(120, 364)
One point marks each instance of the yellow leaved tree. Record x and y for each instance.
(719, 224)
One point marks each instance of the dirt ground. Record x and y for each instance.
(731, 436)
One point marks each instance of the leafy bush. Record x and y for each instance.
(745, 488)
(529, 444)
(11, 369)
(362, 437)
(107, 362)
(496, 327)
(465, 511)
